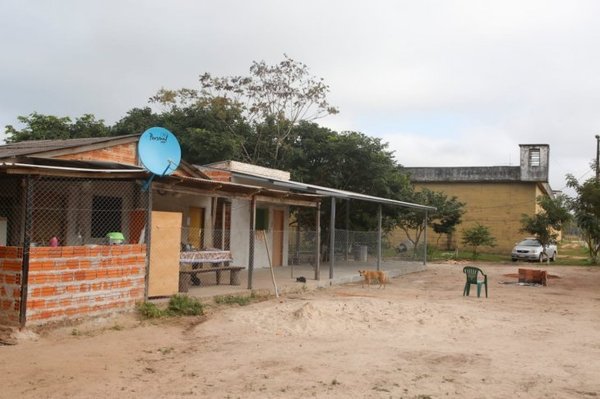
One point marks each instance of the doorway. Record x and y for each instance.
(196, 227)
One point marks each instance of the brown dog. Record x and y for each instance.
(373, 275)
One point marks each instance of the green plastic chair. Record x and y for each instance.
(472, 273)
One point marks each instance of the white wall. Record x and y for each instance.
(240, 228)
(179, 202)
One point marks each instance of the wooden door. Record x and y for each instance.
(196, 227)
(278, 237)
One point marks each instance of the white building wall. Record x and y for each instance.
(179, 202)
(240, 228)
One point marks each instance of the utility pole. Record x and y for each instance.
(597, 158)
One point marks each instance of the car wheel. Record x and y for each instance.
(553, 258)
(514, 259)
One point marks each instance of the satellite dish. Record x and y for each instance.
(159, 151)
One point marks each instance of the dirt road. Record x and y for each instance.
(418, 338)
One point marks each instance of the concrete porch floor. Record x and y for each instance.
(285, 277)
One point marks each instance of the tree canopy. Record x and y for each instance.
(586, 212)
(49, 127)
(443, 220)
(546, 224)
(273, 99)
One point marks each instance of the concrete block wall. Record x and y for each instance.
(11, 260)
(499, 206)
(78, 282)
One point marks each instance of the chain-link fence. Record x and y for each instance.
(352, 246)
(72, 246)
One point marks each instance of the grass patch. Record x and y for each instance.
(183, 305)
(241, 300)
(149, 310)
(179, 305)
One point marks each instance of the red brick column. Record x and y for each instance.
(11, 261)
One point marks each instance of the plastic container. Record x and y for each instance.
(115, 238)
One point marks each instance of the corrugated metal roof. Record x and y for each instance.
(330, 192)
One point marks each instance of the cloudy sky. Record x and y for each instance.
(446, 83)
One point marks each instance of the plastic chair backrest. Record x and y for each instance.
(471, 273)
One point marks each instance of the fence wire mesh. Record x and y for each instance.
(71, 212)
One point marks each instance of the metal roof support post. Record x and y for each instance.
(251, 242)
(347, 230)
(318, 245)
(26, 249)
(332, 238)
(425, 239)
(147, 238)
(379, 217)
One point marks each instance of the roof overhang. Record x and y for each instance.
(328, 192)
(192, 185)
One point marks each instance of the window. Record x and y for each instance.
(262, 219)
(534, 157)
(106, 215)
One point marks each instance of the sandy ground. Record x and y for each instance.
(418, 338)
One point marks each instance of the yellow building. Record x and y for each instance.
(495, 196)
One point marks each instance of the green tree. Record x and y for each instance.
(137, 121)
(444, 219)
(49, 127)
(272, 98)
(478, 236)
(546, 224)
(586, 211)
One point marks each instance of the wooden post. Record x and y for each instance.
(251, 241)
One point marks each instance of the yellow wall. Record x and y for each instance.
(498, 206)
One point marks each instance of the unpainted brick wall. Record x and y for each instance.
(78, 282)
(218, 175)
(123, 153)
(11, 259)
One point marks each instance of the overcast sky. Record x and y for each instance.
(446, 83)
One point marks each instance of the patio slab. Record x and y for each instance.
(285, 278)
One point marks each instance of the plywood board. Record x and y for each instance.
(165, 243)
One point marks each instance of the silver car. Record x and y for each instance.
(532, 250)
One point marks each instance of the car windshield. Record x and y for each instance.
(530, 243)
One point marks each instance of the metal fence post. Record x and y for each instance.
(26, 250)
(318, 245)
(147, 238)
(379, 217)
(425, 239)
(332, 238)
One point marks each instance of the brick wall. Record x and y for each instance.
(77, 282)
(218, 175)
(11, 259)
(124, 154)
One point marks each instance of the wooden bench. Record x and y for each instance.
(185, 276)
